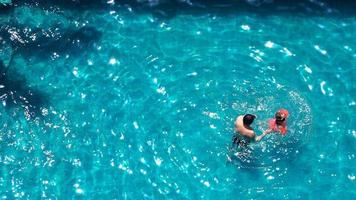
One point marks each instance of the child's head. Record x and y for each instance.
(281, 116)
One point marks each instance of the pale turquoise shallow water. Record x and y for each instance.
(117, 104)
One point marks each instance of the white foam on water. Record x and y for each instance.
(75, 71)
(322, 85)
(206, 183)
(158, 161)
(245, 27)
(79, 191)
(322, 51)
(269, 44)
(135, 124)
(113, 61)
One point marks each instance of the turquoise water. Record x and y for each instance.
(117, 102)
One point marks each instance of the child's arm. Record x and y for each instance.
(259, 138)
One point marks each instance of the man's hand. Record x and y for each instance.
(258, 138)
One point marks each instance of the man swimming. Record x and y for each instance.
(243, 136)
(244, 132)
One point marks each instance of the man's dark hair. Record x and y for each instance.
(248, 119)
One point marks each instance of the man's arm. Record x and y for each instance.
(250, 134)
(259, 138)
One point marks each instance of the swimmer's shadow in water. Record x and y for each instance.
(17, 94)
(69, 41)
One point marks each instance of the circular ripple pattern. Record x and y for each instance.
(275, 148)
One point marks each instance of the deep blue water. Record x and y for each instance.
(138, 101)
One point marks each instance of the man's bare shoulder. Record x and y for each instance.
(238, 118)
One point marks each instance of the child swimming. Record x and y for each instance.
(279, 122)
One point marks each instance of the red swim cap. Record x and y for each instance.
(284, 112)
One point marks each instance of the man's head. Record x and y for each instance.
(248, 119)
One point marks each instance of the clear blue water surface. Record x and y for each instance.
(115, 103)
